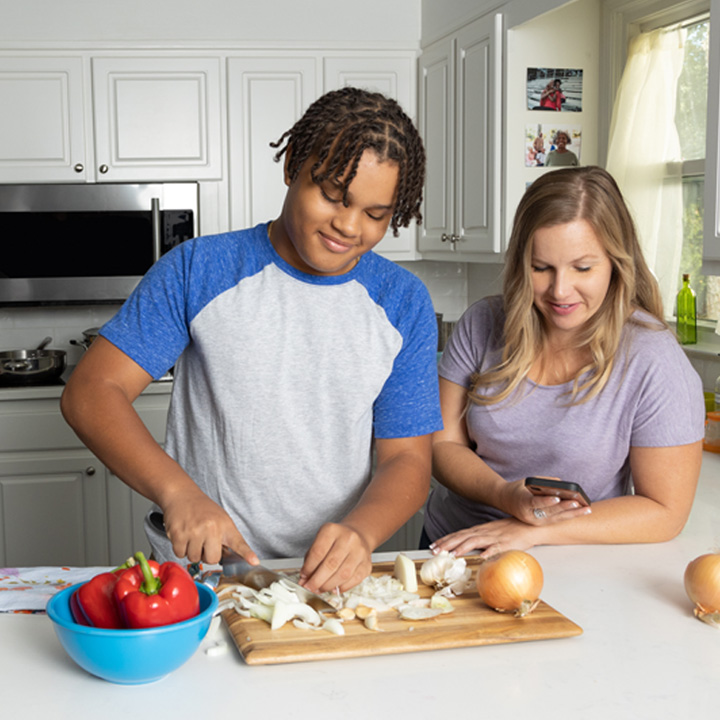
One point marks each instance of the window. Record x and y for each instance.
(656, 146)
(690, 122)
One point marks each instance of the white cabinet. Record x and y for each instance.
(53, 510)
(109, 119)
(461, 122)
(59, 505)
(711, 240)
(157, 118)
(268, 94)
(42, 122)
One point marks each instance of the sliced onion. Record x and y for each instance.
(510, 582)
(702, 584)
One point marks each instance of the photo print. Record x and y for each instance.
(554, 89)
(552, 145)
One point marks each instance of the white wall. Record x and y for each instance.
(441, 17)
(394, 24)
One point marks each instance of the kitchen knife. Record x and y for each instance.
(236, 569)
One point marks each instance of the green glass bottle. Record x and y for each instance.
(686, 313)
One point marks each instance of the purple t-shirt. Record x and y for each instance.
(653, 398)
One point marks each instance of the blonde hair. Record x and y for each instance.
(557, 198)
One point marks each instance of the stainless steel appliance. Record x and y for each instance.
(87, 244)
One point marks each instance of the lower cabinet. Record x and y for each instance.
(59, 505)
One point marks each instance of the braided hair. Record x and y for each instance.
(337, 129)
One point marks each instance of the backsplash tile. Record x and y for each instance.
(25, 327)
(447, 284)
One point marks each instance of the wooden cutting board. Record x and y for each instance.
(471, 624)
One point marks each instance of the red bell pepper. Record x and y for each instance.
(93, 603)
(149, 595)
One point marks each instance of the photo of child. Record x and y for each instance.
(552, 145)
(556, 90)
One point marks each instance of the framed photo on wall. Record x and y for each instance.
(554, 89)
(553, 145)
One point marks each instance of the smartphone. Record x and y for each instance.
(555, 486)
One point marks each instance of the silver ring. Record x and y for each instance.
(538, 513)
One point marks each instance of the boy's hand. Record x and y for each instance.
(339, 558)
(199, 529)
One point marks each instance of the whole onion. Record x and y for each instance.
(510, 582)
(702, 584)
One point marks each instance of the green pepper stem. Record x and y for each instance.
(130, 562)
(151, 585)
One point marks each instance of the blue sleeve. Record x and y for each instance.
(409, 404)
(153, 327)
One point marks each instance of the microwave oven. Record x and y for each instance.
(87, 244)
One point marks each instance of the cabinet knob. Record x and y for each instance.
(78, 168)
(104, 169)
(452, 239)
(90, 470)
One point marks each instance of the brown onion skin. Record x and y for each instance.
(702, 582)
(509, 579)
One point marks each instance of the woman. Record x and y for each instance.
(572, 373)
(560, 156)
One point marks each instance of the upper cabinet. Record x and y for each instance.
(42, 122)
(461, 122)
(266, 96)
(157, 118)
(711, 240)
(140, 119)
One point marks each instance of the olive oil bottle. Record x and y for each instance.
(686, 313)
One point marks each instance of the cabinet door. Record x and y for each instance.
(711, 239)
(461, 122)
(478, 137)
(42, 131)
(266, 96)
(393, 76)
(437, 127)
(53, 510)
(157, 118)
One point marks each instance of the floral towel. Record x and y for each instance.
(27, 590)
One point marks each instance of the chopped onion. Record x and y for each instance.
(510, 582)
(702, 584)
(411, 612)
(334, 626)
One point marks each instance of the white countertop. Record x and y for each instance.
(642, 655)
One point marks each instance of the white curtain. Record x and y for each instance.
(644, 151)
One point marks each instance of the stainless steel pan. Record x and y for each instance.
(32, 367)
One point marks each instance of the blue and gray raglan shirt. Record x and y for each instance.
(282, 379)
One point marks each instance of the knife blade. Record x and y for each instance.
(236, 569)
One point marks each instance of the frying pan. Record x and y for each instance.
(32, 367)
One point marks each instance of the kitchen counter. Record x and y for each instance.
(642, 655)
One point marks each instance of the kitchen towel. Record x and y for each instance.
(28, 589)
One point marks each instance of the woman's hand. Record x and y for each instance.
(338, 558)
(511, 533)
(491, 537)
(531, 509)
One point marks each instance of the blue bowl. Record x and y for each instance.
(130, 657)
